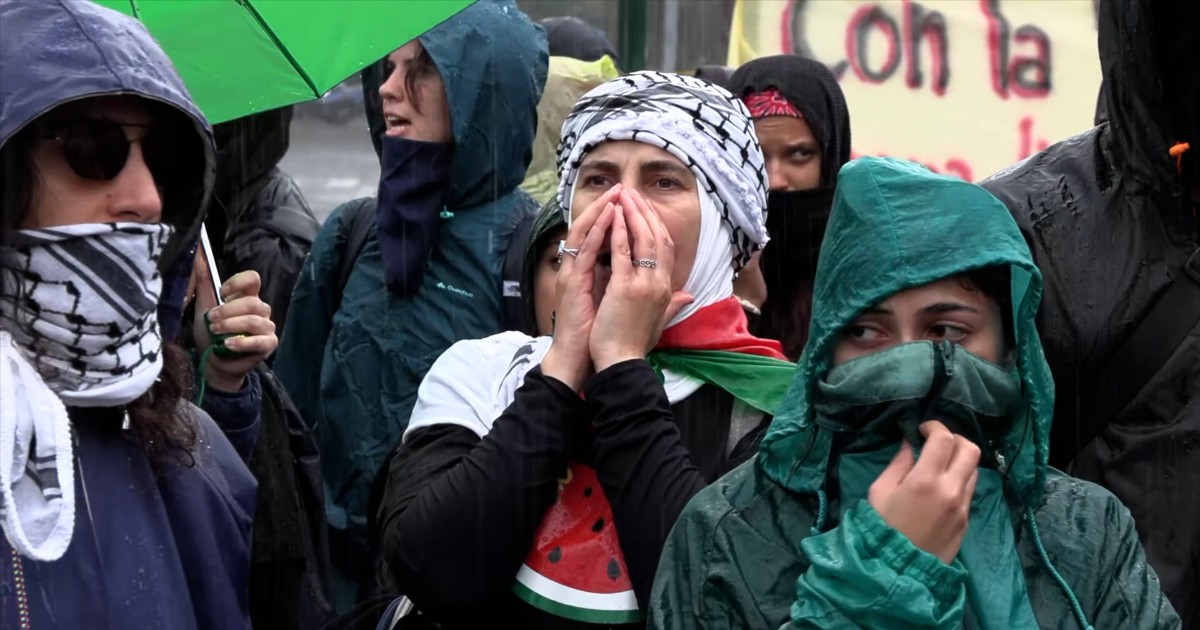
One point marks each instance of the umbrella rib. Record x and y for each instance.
(137, 13)
(280, 45)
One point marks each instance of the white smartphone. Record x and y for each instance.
(210, 260)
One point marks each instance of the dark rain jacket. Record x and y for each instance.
(771, 545)
(1110, 226)
(352, 362)
(257, 218)
(155, 545)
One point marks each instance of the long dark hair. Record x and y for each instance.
(159, 418)
(787, 314)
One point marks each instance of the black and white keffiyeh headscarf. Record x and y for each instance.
(701, 124)
(80, 328)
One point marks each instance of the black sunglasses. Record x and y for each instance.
(97, 149)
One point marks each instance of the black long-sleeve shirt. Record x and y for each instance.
(460, 513)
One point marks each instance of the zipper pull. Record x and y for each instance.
(125, 419)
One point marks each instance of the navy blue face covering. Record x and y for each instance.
(412, 186)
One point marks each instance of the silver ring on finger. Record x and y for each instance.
(563, 249)
(645, 263)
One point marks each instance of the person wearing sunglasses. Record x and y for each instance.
(122, 504)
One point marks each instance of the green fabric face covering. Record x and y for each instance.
(877, 400)
(881, 398)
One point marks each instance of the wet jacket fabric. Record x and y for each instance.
(152, 549)
(258, 219)
(163, 545)
(771, 546)
(1110, 225)
(352, 362)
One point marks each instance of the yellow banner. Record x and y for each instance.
(965, 87)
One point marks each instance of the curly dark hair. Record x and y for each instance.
(160, 419)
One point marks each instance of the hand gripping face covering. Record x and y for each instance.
(80, 328)
(874, 401)
(702, 125)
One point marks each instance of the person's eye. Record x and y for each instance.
(597, 181)
(802, 154)
(666, 183)
(947, 332)
(863, 334)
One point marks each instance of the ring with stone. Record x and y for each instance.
(648, 263)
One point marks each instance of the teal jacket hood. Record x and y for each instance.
(493, 61)
(894, 226)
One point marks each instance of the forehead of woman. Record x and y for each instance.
(121, 109)
(626, 155)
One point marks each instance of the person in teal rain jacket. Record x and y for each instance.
(459, 107)
(903, 483)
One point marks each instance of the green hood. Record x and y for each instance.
(895, 226)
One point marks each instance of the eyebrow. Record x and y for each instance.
(599, 165)
(666, 165)
(653, 165)
(948, 307)
(937, 308)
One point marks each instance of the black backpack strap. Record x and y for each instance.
(515, 314)
(1143, 353)
(360, 221)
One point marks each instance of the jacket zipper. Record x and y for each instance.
(22, 596)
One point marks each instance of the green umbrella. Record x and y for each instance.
(239, 57)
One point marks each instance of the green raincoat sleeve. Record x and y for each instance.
(757, 567)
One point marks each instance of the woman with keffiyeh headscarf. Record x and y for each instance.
(540, 476)
(802, 123)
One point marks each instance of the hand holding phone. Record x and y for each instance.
(214, 284)
(232, 329)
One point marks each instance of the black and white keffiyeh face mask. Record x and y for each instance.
(701, 124)
(78, 327)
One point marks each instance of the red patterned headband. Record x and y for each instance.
(770, 103)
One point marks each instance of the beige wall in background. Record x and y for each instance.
(1015, 75)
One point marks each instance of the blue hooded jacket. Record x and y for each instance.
(352, 362)
(164, 546)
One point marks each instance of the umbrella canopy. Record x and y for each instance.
(239, 57)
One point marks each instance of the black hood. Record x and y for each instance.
(717, 75)
(811, 88)
(572, 37)
(1151, 91)
(248, 148)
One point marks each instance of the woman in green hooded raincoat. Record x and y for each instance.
(804, 536)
